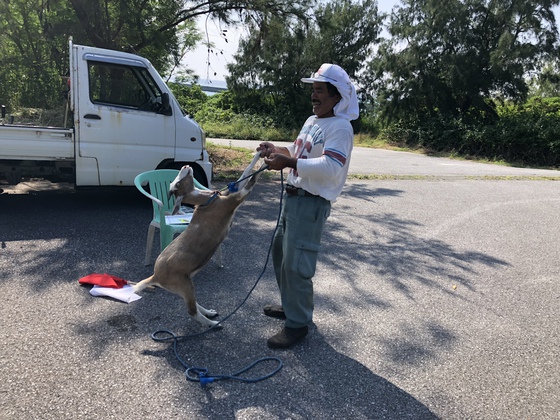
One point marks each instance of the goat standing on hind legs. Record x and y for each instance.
(185, 256)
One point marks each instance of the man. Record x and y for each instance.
(319, 160)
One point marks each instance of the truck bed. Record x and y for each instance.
(23, 142)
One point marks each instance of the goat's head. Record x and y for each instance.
(182, 185)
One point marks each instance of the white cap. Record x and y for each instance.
(331, 73)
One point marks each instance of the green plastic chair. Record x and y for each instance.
(158, 182)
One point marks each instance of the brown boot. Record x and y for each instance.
(274, 311)
(287, 337)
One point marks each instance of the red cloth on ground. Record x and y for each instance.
(104, 280)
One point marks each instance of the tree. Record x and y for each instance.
(262, 78)
(450, 57)
(32, 55)
(191, 98)
(347, 32)
(141, 25)
(546, 83)
(265, 77)
(35, 35)
(150, 28)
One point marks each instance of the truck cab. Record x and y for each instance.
(125, 117)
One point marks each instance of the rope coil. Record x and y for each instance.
(201, 375)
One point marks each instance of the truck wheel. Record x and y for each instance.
(198, 173)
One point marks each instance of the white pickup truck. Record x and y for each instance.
(125, 121)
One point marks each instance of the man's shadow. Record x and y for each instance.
(342, 387)
(316, 382)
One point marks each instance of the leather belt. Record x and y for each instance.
(291, 190)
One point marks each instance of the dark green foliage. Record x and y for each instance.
(526, 134)
(438, 80)
(33, 57)
(546, 83)
(530, 133)
(34, 47)
(190, 97)
(449, 57)
(270, 63)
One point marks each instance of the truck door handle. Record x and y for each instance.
(92, 117)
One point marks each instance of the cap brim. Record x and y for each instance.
(315, 79)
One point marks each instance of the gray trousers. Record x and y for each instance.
(294, 255)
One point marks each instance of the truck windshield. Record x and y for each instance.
(123, 86)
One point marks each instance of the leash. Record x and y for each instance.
(201, 375)
(212, 198)
(232, 185)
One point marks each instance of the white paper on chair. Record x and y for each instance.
(179, 219)
(126, 294)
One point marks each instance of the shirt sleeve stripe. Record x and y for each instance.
(336, 156)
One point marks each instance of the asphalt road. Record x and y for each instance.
(435, 298)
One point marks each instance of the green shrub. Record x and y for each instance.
(226, 124)
(191, 98)
(531, 135)
(368, 124)
(528, 134)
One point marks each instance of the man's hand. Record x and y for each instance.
(266, 148)
(277, 158)
(279, 161)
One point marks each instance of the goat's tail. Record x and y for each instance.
(138, 287)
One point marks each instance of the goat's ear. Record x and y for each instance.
(177, 206)
(174, 186)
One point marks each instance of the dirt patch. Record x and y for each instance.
(229, 162)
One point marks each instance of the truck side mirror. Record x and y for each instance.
(165, 104)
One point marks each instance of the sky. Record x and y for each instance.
(211, 68)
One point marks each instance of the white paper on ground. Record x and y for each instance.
(126, 294)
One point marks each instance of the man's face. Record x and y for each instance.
(323, 103)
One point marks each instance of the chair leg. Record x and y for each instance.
(149, 244)
(218, 257)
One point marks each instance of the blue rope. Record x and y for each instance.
(232, 185)
(198, 374)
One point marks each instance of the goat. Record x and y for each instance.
(187, 254)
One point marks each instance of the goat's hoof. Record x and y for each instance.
(202, 318)
(212, 325)
(211, 313)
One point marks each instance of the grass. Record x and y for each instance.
(364, 140)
